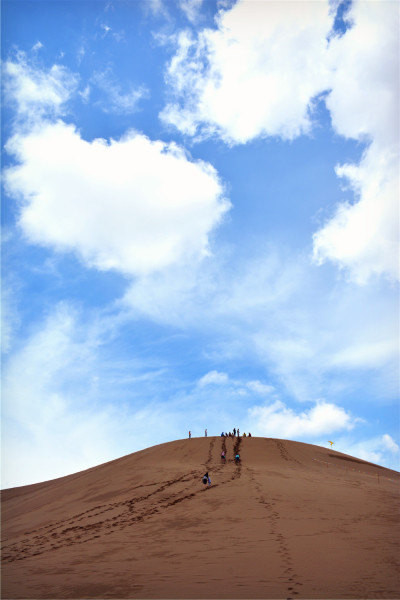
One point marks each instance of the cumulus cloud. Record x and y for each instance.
(254, 75)
(258, 74)
(277, 420)
(133, 205)
(363, 236)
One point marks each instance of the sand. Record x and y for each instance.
(292, 521)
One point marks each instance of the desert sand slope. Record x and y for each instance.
(292, 521)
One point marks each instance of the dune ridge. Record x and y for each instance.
(292, 520)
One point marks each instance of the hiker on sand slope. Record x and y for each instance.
(206, 479)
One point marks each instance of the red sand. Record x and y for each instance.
(292, 521)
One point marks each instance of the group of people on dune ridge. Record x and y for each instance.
(225, 434)
(234, 434)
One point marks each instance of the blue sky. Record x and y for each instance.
(200, 227)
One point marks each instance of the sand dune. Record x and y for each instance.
(292, 521)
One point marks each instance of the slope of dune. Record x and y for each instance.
(291, 521)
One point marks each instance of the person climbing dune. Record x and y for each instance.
(206, 479)
(237, 458)
(223, 456)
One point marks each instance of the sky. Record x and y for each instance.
(200, 227)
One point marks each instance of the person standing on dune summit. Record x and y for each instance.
(190, 434)
(234, 432)
(205, 432)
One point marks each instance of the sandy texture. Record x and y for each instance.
(292, 521)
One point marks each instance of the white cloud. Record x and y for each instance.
(37, 92)
(319, 342)
(10, 319)
(157, 8)
(363, 237)
(213, 378)
(389, 443)
(365, 61)
(85, 94)
(132, 205)
(37, 46)
(227, 287)
(277, 420)
(115, 99)
(191, 8)
(258, 73)
(81, 52)
(236, 386)
(367, 355)
(46, 406)
(62, 407)
(317, 339)
(260, 388)
(255, 75)
(67, 405)
(381, 450)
